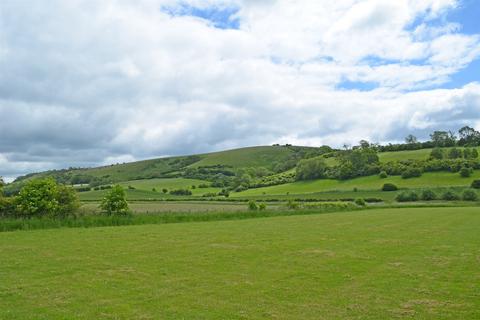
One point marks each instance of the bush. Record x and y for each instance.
(428, 195)
(450, 196)
(262, 207)
(252, 205)
(383, 175)
(476, 184)
(389, 187)
(68, 202)
(407, 196)
(465, 172)
(411, 173)
(115, 202)
(7, 206)
(360, 202)
(131, 187)
(181, 192)
(292, 205)
(470, 195)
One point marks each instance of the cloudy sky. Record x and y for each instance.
(87, 82)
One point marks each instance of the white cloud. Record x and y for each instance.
(86, 83)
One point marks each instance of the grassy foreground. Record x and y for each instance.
(374, 264)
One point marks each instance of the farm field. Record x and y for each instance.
(325, 266)
(427, 180)
(180, 206)
(421, 154)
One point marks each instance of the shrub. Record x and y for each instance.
(262, 207)
(476, 184)
(292, 205)
(252, 205)
(355, 189)
(68, 202)
(389, 187)
(38, 198)
(411, 173)
(450, 196)
(7, 206)
(428, 195)
(470, 195)
(360, 202)
(154, 189)
(115, 202)
(407, 196)
(131, 187)
(164, 190)
(181, 192)
(383, 175)
(465, 172)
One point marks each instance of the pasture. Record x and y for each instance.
(427, 180)
(372, 264)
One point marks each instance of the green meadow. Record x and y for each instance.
(372, 264)
(427, 180)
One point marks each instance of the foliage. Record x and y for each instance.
(450, 196)
(470, 195)
(476, 184)
(407, 196)
(466, 172)
(437, 153)
(383, 175)
(360, 202)
(310, 169)
(252, 205)
(262, 207)
(428, 195)
(68, 202)
(411, 173)
(115, 202)
(292, 205)
(181, 192)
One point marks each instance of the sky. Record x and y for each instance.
(86, 83)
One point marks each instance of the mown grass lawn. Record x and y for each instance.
(374, 264)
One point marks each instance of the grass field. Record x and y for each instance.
(171, 184)
(374, 264)
(422, 154)
(427, 180)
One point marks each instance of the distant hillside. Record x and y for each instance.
(274, 158)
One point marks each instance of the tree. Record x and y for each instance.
(469, 136)
(67, 201)
(455, 153)
(465, 172)
(38, 198)
(310, 169)
(474, 154)
(115, 202)
(437, 153)
(411, 139)
(443, 138)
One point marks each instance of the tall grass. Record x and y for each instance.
(94, 220)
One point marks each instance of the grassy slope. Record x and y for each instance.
(330, 266)
(422, 154)
(263, 156)
(430, 179)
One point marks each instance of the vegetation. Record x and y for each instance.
(115, 202)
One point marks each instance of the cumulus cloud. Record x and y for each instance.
(92, 82)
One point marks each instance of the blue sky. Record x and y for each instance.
(89, 83)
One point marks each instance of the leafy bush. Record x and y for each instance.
(262, 207)
(470, 195)
(181, 192)
(407, 196)
(450, 196)
(83, 189)
(252, 205)
(428, 195)
(115, 202)
(292, 205)
(44, 197)
(383, 175)
(164, 190)
(465, 172)
(476, 184)
(360, 202)
(411, 173)
(131, 187)
(7, 206)
(389, 187)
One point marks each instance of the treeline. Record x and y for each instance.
(466, 137)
